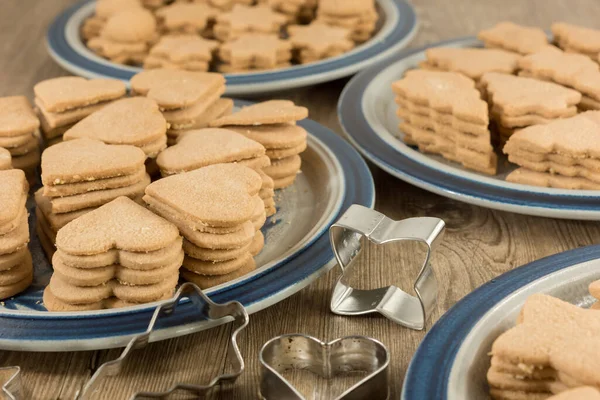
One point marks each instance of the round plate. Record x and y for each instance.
(296, 252)
(367, 112)
(397, 27)
(452, 361)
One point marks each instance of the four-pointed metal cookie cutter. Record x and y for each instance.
(395, 304)
(12, 389)
(208, 308)
(348, 354)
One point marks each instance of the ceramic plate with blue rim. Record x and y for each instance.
(296, 252)
(367, 112)
(452, 361)
(397, 26)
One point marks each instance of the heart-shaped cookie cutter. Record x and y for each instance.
(213, 311)
(392, 302)
(12, 389)
(327, 359)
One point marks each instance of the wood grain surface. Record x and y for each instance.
(479, 245)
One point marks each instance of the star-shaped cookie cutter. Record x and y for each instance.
(12, 389)
(210, 309)
(327, 359)
(392, 302)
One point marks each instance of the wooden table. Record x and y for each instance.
(480, 244)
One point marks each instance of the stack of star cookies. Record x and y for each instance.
(318, 41)
(5, 159)
(192, 18)
(552, 349)
(360, 16)
(227, 5)
(188, 52)
(273, 124)
(188, 100)
(517, 102)
(575, 71)
(200, 148)
(245, 19)
(120, 254)
(577, 39)
(443, 113)
(62, 102)
(255, 52)
(16, 269)
(126, 36)
(219, 213)
(19, 133)
(564, 153)
(512, 37)
(79, 176)
(297, 11)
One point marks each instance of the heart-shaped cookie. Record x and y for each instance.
(199, 148)
(121, 224)
(268, 112)
(136, 121)
(327, 359)
(219, 195)
(84, 160)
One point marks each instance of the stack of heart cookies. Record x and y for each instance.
(62, 102)
(572, 70)
(255, 52)
(19, 133)
(360, 16)
(16, 269)
(126, 36)
(200, 148)
(245, 19)
(552, 349)
(517, 102)
(5, 159)
(187, 52)
(564, 153)
(219, 213)
(443, 113)
(273, 124)
(81, 175)
(92, 26)
(188, 100)
(120, 254)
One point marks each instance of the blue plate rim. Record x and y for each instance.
(398, 37)
(366, 140)
(429, 370)
(48, 333)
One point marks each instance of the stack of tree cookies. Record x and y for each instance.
(81, 175)
(200, 148)
(62, 102)
(16, 269)
(120, 254)
(188, 100)
(219, 213)
(19, 133)
(273, 124)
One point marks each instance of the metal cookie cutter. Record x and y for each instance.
(348, 354)
(12, 388)
(210, 309)
(392, 302)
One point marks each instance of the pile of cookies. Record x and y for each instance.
(552, 349)
(219, 213)
(273, 125)
(19, 134)
(188, 100)
(62, 102)
(231, 36)
(534, 94)
(118, 255)
(81, 175)
(443, 113)
(16, 268)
